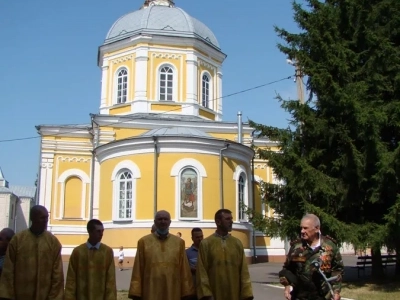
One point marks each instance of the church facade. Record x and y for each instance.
(158, 142)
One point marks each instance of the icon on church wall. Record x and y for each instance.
(189, 204)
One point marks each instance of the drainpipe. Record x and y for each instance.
(240, 127)
(155, 172)
(95, 139)
(38, 178)
(254, 207)
(221, 176)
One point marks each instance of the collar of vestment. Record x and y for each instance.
(90, 246)
(161, 237)
(224, 237)
(36, 233)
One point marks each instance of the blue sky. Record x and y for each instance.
(49, 73)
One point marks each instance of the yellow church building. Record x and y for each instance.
(158, 142)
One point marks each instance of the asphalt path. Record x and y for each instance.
(264, 277)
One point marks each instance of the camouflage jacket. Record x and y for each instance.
(300, 272)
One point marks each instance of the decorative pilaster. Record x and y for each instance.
(140, 103)
(191, 79)
(104, 83)
(219, 94)
(46, 180)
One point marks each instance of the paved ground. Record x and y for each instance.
(261, 275)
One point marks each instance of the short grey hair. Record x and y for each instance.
(313, 218)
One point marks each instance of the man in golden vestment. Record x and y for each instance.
(91, 270)
(33, 267)
(222, 272)
(161, 270)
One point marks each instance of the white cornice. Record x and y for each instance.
(173, 144)
(170, 41)
(64, 131)
(153, 123)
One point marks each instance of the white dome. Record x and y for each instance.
(160, 20)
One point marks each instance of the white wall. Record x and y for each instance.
(23, 214)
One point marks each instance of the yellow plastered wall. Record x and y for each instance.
(156, 60)
(167, 184)
(128, 62)
(257, 198)
(262, 241)
(63, 163)
(73, 197)
(123, 133)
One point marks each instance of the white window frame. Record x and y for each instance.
(210, 104)
(240, 170)
(123, 68)
(174, 83)
(62, 179)
(121, 167)
(176, 171)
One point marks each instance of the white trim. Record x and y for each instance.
(96, 189)
(85, 182)
(135, 172)
(172, 144)
(191, 78)
(115, 81)
(176, 172)
(236, 175)
(211, 99)
(126, 164)
(174, 82)
(186, 162)
(141, 77)
(104, 82)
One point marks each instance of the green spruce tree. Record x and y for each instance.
(340, 157)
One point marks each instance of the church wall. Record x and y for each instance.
(123, 133)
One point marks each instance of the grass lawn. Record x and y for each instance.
(371, 291)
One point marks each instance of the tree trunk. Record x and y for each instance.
(377, 268)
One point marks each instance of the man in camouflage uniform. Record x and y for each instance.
(300, 276)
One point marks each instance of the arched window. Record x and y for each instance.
(188, 174)
(189, 182)
(166, 84)
(122, 86)
(205, 91)
(241, 196)
(125, 192)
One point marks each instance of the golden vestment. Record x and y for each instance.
(91, 274)
(33, 268)
(161, 270)
(222, 270)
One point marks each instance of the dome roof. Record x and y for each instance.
(162, 20)
(174, 131)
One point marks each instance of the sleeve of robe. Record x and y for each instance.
(70, 284)
(57, 278)
(7, 277)
(111, 285)
(187, 288)
(246, 290)
(135, 288)
(202, 281)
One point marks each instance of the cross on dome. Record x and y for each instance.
(168, 3)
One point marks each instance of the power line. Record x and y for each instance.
(164, 112)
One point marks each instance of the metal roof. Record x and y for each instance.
(173, 131)
(163, 20)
